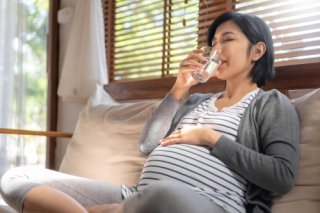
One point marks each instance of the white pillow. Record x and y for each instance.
(305, 196)
(104, 145)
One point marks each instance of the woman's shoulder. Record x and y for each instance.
(272, 95)
(273, 107)
(273, 100)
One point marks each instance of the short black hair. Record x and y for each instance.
(256, 30)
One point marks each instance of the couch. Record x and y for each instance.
(103, 147)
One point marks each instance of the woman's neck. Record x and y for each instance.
(236, 90)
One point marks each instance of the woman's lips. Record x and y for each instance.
(222, 63)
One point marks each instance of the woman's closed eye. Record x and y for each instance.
(223, 40)
(227, 39)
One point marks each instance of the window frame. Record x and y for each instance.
(289, 76)
(53, 78)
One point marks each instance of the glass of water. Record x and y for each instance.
(210, 65)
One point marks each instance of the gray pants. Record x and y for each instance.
(161, 197)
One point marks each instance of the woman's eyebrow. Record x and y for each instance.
(228, 32)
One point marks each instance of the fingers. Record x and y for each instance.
(190, 64)
(193, 61)
(167, 142)
(175, 134)
(173, 138)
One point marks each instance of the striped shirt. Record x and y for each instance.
(194, 165)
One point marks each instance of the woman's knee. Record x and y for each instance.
(16, 178)
(14, 184)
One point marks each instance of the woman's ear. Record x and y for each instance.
(258, 50)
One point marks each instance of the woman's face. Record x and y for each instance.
(232, 44)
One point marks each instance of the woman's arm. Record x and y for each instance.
(158, 124)
(160, 121)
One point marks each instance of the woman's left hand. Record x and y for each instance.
(192, 135)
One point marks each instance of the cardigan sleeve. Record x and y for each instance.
(158, 124)
(273, 166)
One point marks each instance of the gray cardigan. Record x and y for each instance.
(266, 151)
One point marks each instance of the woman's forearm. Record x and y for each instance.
(158, 124)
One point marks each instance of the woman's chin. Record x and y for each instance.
(219, 74)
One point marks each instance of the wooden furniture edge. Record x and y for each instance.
(50, 134)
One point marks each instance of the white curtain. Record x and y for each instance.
(23, 81)
(10, 68)
(84, 64)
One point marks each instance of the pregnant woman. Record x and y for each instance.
(221, 153)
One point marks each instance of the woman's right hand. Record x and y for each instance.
(184, 80)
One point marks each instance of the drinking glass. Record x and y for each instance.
(209, 66)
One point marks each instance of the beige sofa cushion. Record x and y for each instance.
(104, 144)
(305, 196)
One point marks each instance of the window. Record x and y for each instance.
(134, 28)
(151, 37)
(295, 27)
(23, 77)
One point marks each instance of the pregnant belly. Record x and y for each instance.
(193, 166)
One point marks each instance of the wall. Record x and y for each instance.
(67, 111)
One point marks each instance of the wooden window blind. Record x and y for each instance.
(147, 39)
(151, 37)
(295, 27)
(208, 12)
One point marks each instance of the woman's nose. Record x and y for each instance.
(217, 48)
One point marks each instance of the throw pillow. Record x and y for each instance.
(104, 145)
(305, 196)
